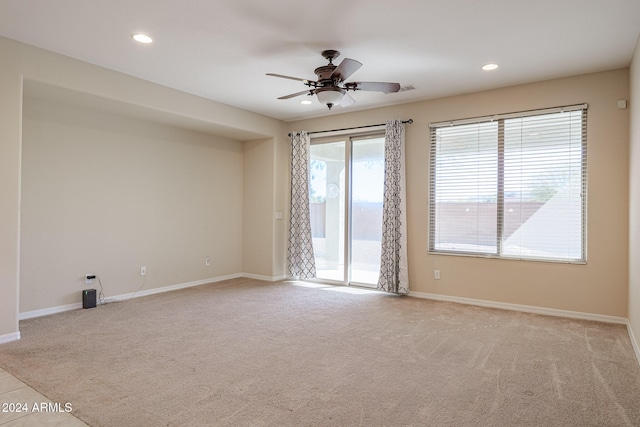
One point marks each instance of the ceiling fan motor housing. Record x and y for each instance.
(324, 73)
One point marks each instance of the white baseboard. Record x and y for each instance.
(48, 311)
(265, 278)
(141, 293)
(9, 337)
(524, 308)
(153, 291)
(634, 342)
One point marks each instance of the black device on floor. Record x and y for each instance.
(89, 298)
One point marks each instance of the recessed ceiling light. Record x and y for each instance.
(305, 102)
(142, 38)
(490, 67)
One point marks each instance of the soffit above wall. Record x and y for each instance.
(38, 90)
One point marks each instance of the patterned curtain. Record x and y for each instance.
(301, 260)
(394, 275)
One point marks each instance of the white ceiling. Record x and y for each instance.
(221, 49)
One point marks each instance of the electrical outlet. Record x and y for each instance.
(436, 274)
(143, 270)
(89, 278)
(207, 261)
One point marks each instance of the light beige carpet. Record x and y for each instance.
(250, 353)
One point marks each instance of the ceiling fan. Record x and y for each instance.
(331, 88)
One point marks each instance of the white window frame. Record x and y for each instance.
(500, 190)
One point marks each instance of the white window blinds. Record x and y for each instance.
(511, 186)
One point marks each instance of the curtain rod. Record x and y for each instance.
(410, 121)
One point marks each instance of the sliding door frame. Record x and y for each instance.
(348, 140)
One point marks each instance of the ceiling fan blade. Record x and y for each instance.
(293, 95)
(347, 67)
(347, 100)
(305, 81)
(374, 86)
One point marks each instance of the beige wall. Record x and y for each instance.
(634, 199)
(600, 286)
(265, 194)
(10, 128)
(282, 195)
(105, 195)
(259, 162)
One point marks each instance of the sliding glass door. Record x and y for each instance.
(346, 186)
(367, 184)
(327, 196)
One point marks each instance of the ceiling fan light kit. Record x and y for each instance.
(330, 96)
(330, 88)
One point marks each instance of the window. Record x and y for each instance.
(510, 186)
